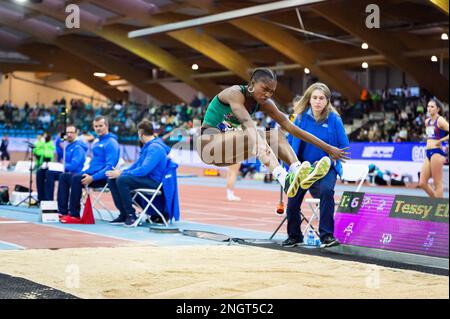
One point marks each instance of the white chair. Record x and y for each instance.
(144, 194)
(55, 167)
(354, 173)
(23, 167)
(87, 162)
(350, 173)
(99, 193)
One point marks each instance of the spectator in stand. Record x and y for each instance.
(403, 134)
(82, 114)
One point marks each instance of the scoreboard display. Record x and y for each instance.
(401, 223)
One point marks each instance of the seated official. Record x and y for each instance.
(73, 163)
(146, 172)
(106, 153)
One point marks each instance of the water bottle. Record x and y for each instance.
(310, 241)
(317, 242)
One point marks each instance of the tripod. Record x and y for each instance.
(279, 211)
(30, 197)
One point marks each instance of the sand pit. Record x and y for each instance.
(214, 272)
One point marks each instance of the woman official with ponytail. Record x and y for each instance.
(316, 115)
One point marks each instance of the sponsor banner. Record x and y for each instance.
(420, 208)
(394, 222)
(409, 152)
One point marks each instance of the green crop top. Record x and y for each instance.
(218, 112)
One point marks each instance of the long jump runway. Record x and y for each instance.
(104, 261)
(27, 235)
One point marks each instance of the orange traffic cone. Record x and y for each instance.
(280, 208)
(88, 215)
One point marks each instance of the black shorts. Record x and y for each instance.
(209, 131)
(5, 156)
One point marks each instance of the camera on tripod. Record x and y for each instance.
(30, 198)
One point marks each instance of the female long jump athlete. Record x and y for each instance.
(229, 135)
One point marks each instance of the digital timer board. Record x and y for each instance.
(408, 224)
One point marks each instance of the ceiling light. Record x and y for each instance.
(21, 1)
(100, 74)
(194, 66)
(434, 58)
(365, 65)
(364, 46)
(444, 36)
(307, 71)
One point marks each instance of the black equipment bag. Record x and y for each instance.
(4, 195)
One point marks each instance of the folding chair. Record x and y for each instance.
(97, 198)
(143, 194)
(350, 173)
(87, 162)
(148, 196)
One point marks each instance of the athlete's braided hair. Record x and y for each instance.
(263, 74)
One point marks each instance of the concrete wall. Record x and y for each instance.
(184, 91)
(24, 87)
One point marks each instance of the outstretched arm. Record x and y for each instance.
(336, 153)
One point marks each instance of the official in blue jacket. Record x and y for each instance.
(73, 163)
(316, 115)
(147, 172)
(106, 153)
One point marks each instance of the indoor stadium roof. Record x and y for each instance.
(324, 37)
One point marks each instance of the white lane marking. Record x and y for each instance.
(11, 244)
(14, 222)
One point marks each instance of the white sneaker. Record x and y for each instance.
(233, 198)
(294, 179)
